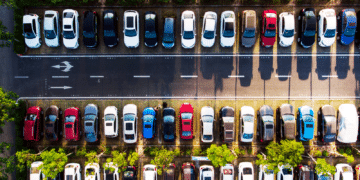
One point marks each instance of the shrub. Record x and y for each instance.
(325, 153)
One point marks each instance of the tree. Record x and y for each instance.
(6, 37)
(163, 158)
(24, 159)
(287, 152)
(133, 158)
(346, 154)
(324, 168)
(8, 107)
(7, 163)
(53, 162)
(119, 160)
(220, 155)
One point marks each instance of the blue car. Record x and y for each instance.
(149, 122)
(305, 123)
(347, 26)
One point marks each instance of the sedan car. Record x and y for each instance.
(248, 28)
(72, 171)
(285, 172)
(52, 28)
(70, 30)
(92, 171)
(307, 27)
(131, 29)
(110, 20)
(111, 171)
(72, 124)
(265, 173)
(287, 121)
(186, 121)
(32, 123)
(188, 29)
(247, 119)
(91, 123)
(227, 29)
(150, 28)
(169, 124)
(327, 27)
(31, 30)
(306, 173)
(149, 172)
(246, 171)
(207, 172)
(111, 121)
(52, 123)
(347, 123)
(327, 128)
(188, 171)
(35, 171)
(286, 29)
(149, 123)
(268, 29)
(227, 118)
(207, 119)
(347, 22)
(168, 38)
(343, 171)
(90, 29)
(130, 173)
(130, 123)
(169, 173)
(305, 123)
(227, 172)
(208, 32)
(265, 126)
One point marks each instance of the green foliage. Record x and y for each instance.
(220, 155)
(91, 157)
(196, 151)
(188, 152)
(133, 158)
(119, 159)
(8, 107)
(325, 153)
(107, 167)
(349, 158)
(249, 151)
(25, 158)
(163, 158)
(81, 152)
(151, 151)
(239, 151)
(7, 163)
(163, 1)
(341, 151)
(53, 162)
(322, 167)
(348, 151)
(317, 153)
(5, 36)
(130, 2)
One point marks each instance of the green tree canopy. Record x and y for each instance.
(8, 107)
(220, 155)
(91, 157)
(24, 159)
(53, 162)
(7, 163)
(322, 167)
(118, 159)
(133, 158)
(163, 158)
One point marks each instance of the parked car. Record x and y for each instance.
(248, 28)
(227, 123)
(188, 171)
(186, 121)
(285, 172)
(348, 123)
(130, 123)
(227, 29)
(92, 171)
(72, 124)
(149, 172)
(208, 32)
(343, 171)
(52, 28)
(324, 177)
(91, 123)
(286, 29)
(207, 172)
(347, 23)
(306, 173)
(109, 174)
(130, 173)
(207, 120)
(307, 27)
(265, 173)
(31, 30)
(246, 171)
(131, 29)
(35, 171)
(150, 29)
(268, 31)
(90, 29)
(111, 121)
(72, 171)
(357, 172)
(52, 121)
(168, 38)
(169, 124)
(305, 123)
(32, 124)
(265, 128)
(327, 27)
(188, 29)
(328, 123)
(149, 123)
(247, 124)
(227, 172)
(287, 121)
(110, 31)
(70, 30)
(169, 174)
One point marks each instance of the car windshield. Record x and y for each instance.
(109, 117)
(249, 33)
(288, 117)
(69, 119)
(129, 117)
(207, 137)
(68, 34)
(248, 118)
(28, 31)
(51, 118)
(31, 117)
(186, 115)
(209, 34)
(330, 33)
(34, 170)
(287, 171)
(248, 136)
(349, 32)
(309, 33)
(229, 29)
(186, 133)
(50, 34)
(148, 118)
(130, 32)
(270, 33)
(150, 34)
(188, 34)
(168, 38)
(208, 118)
(207, 178)
(147, 126)
(169, 119)
(129, 136)
(128, 174)
(288, 33)
(247, 171)
(109, 33)
(90, 117)
(88, 34)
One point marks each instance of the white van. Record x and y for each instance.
(348, 123)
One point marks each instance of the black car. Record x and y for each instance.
(265, 127)
(307, 27)
(168, 39)
(90, 29)
(169, 174)
(169, 124)
(129, 173)
(110, 28)
(150, 29)
(306, 173)
(327, 128)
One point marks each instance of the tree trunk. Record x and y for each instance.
(358, 151)
(312, 158)
(41, 151)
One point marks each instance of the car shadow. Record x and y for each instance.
(283, 67)
(323, 67)
(303, 67)
(245, 70)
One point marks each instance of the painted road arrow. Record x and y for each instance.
(67, 66)
(60, 87)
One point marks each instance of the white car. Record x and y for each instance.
(227, 172)
(188, 29)
(35, 171)
(131, 29)
(70, 30)
(247, 124)
(343, 171)
(227, 29)
(348, 123)
(246, 171)
(130, 123)
(285, 172)
(207, 172)
(92, 171)
(149, 172)
(207, 119)
(286, 29)
(31, 30)
(209, 29)
(265, 173)
(52, 28)
(327, 27)
(111, 122)
(108, 174)
(72, 171)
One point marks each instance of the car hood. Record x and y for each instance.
(34, 176)
(289, 128)
(207, 42)
(110, 41)
(328, 41)
(227, 41)
(130, 108)
(28, 130)
(90, 42)
(131, 41)
(268, 41)
(307, 41)
(248, 42)
(208, 128)
(147, 132)
(151, 42)
(286, 41)
(52, 42)
(188, 43)
(32, 43)
(71, 43)
(248, 127)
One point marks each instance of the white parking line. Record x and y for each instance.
(141, 76)
(21, 77)
(236, 76)
(188, 76)
(60, 76)
(334, 76)
(283, 76)
(96, 76)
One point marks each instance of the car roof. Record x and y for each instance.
(208, 128)
(210, 24)
(189, 25)
(289, 21)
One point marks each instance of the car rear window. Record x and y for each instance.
(309, 126)
(147, 126)
(247, 171)
(129, 22)
(67, 26)
(227, 171)
(68, 15)
(108, 124)
(88, 124)
(128, 126)
(49, 15)
(186, 123)
(68, 126)
(69, 177)
(129, 136)
(269, 126)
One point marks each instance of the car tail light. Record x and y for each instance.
(201, 168)
(143, 169)
(94, 12)
(174, 165)
(155, 169)
(134, 167)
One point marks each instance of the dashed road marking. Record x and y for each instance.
(331, 76)
(141, 76)
(96, 76)
(21, 77)
(60, 77)
(283, 76)
(236, 76)
(188, 76)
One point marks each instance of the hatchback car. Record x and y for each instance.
(265, 128)
(70, 30)
(307, 27)
(208, 32)
(52, 28)
(130, 173)
(327, 128)
(110, 32)
(306, 173)
(265, 173)
(169, 124)
(287, 121)
(347, 22)
(149, 172)
(72, 171)
(268, 30)
(35, 171)
(168, 38)
(130, 123)
(149, 123)
(111, 121)
(31, 30)
(91, 123)
(207, 172)
(72, 124)
(227, 29)
(188, 29)
(90, 29)
(285, 172)
(92, 171)
(347, 123)
(227, 172)
(207, 119)
(305, 123)
(111, 171)
(286, 29)
(169, 173)
(246, 171)
(248, 28)
(247, 120)
(32, 123)
(186, 121)
(327, 27)
(227, 117)
(343, 171)
(52, 123)
(150, 28)
(188, 171)
(131, 29)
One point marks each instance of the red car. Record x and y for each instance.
(268, 30)
(186, 120)
(72, 124)
(32, 124)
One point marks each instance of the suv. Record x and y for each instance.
(207, 119)
(90, 29)
(168, 39)
(52, 28)
(111, 122)
(206, 172)
(91, 123)
(32, 124)
(247, 119)
(327, 27)
(227, 123)
(130, 123)
(149, 123)
(327, 128)
(248, 28)
(169, 124)
(188, 29)
(227, 29)
(186, 121)
(52, 123)
(268, 31)
(209, 29)
(110, 28)
(150, 29)
(70, 29)
(265, 128)
(131, 29)
(286, 29)
(305, 123)
(149, 172)
(31, 30)
(72, 171)
(306, 173)
(72, 124)
(287, 121)
(92, 171)
(188, 171)
(35, 171)
(307, 27)
(347, 22)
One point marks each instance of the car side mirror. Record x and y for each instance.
(23, 34)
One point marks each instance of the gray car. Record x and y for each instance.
(265, 126)
(287, 121)
(248, 28)
(91, 123)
